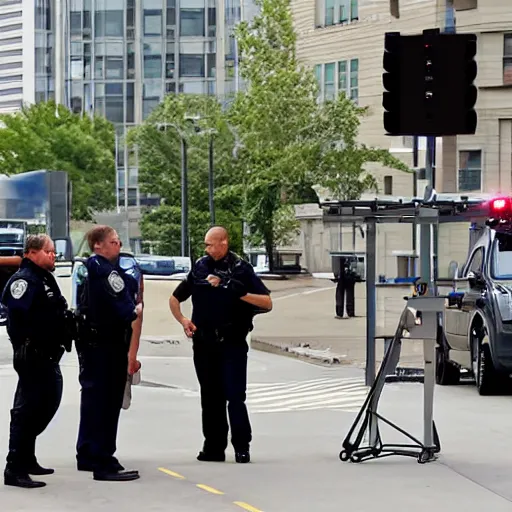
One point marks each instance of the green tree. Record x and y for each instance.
(47, 136)
(290, 142)
(159, 145)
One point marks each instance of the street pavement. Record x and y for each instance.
(300, 413)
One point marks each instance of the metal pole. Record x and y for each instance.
(210, 181)
(426, 229)
(184, 199)
(371, 314)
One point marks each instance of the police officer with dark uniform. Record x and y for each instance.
(226, 294)
(107, 312)
(40, 328)
(346, 282)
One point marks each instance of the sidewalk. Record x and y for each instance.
(303, 324)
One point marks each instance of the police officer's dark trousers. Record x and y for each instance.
(37, 399)
(220, 360)
(103, 374)
(345, 286)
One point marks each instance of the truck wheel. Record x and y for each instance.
(447, 374)
(486, 377)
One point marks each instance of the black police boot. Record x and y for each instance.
(243, 457)
(205, 456)
(108, 475)
(36, 469)
(88, 466)
(20, 479)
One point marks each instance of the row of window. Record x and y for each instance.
(116, 100)
(193, 22)
(334, 12)
(338, 77)
(469, 173)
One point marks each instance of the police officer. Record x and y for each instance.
(107, 312)
(40, 329)
(346, 282)
(226, 294)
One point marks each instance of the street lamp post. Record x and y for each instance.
(184, 199)
(210, 181)
(185, 248)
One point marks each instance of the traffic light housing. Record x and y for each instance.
(428, 84)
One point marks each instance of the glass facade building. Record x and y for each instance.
(123, 56)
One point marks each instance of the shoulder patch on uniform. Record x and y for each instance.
(116, 281)
(18, 288)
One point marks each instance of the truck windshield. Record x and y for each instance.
(11, 238)
(502, 257)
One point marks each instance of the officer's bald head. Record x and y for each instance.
(216, 242)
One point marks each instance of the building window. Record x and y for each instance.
(191, 65)
(152, 22)
(354, 80)
(334, 79)
(507, 59)
(388, 185)
(192, 22)
(329, 81)
(470, 171)
(339, 11)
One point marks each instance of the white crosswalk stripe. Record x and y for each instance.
(346, 394)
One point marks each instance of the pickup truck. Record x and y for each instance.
(476, 334)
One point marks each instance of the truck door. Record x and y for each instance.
(457, 314)
(471, 296)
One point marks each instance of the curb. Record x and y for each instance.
(302, 352)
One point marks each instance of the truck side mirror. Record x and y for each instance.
(475, 279)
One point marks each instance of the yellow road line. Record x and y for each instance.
(209, 489)
(246, 506)
(171, 473)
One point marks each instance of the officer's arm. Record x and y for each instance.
(19, 299)
(118, 297)
(182, 292)
(257, 293)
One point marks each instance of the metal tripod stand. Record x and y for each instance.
(419, 318)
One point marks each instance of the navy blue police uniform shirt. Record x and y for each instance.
(217, 307)
(35, 305)
(111, 303)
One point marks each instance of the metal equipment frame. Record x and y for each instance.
(420, 317)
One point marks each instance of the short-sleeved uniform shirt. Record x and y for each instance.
(217, 307)
(110, 300)
(35, 306)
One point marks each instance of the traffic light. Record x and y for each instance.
(428, 84)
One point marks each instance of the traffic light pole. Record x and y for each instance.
(428, 232)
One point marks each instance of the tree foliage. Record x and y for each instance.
(44, 136)
(290, 141)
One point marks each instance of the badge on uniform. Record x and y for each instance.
(18, 288)
(116, 281)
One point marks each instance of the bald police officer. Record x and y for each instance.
(226, 294)
(38, 324)
(108, 314)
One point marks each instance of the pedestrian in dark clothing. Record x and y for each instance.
(40, 328)
(108, 314)
(226, 294)
(345, 284)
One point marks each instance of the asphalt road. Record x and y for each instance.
(300, 414)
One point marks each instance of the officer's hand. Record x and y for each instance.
(133, 366)
(138, 309)
(213, 280)
(237, 287)
(188, 327)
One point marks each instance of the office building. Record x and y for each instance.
(26, 53)
(343, 41)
